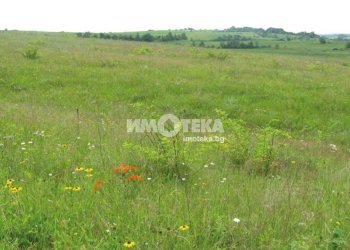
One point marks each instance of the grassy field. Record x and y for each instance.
(280, 180)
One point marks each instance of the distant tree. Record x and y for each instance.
(169, 37)
(183, 36)
(193, 43)
(347, 46)
(322, 40)
(202, 44)
(147, 37)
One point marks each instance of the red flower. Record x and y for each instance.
(124, 168)
(134, 177)
(97, 185)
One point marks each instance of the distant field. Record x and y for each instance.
(280, 181)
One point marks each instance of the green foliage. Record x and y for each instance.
(31, 53)
(265, 148)
(322, 40)
(347, 46)
(143, 50)
(219, 56)
(162, 156)
(237, 140)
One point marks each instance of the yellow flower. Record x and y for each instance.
(68, 188)
(65, 146)
(88, 175)
(15, 190)
(9, 182)
(338, 223)
(129, 244)
(184, 228)
(89, 170)
(14, 203)
(76, 188)
(293, 162)
(79, 169)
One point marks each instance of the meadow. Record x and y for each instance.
(73, 178)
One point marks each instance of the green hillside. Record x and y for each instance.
(74, 178)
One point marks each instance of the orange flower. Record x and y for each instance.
(124, 168)
(97, 185)
(134, 177)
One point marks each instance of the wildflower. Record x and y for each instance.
(212, 164)
(206, 166)
(65, 146)
(14, 203)
(293, 162)
(134, 177)
(15, 190)
(333, 147)
(50, 174)
(97, 185)
(79, 169)
(30, 142)
(184, 228)
(236, 220)
(149, 178)
(68, 188)
(129, 244)
(23, 143)
(88, 175)
(338, 223)
(124, 168)
(9, 182)
(89, 170)
(76, 189)
(183, 179)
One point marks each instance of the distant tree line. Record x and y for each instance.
(273, 32)
(236, 44)
(147, 37)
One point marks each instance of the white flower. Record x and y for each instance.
(333, 147)
(236, 220)
(183, 179)
(206, 166)
(30, 142)
(108, 231)
(23, 148)
(224, 179)
(50, 174)
(23, 143)
(149, 178)
(212, 163)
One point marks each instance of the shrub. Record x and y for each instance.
(347, 46)
(31, 53)
(322, 40)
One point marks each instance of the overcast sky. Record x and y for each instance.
(137, 15)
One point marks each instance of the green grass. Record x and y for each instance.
(302, 202)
